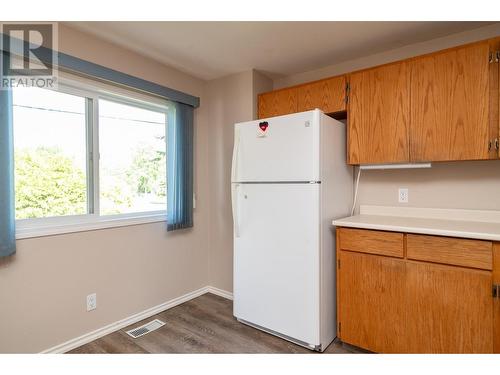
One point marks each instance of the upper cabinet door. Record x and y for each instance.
(450, 105)
(328, 95)
(379, 115)
(277, 103)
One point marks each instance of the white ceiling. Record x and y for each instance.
(209, 50)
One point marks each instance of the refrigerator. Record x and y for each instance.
(289, 180)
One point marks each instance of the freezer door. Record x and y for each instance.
(284, 148)
(276, 258)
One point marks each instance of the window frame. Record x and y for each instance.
(92, 92)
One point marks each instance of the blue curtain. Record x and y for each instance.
(7, 206)
(179, 166)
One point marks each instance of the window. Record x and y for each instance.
(86, 155)
(132, 156)
(50, 153)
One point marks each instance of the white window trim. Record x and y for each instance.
(50, 226)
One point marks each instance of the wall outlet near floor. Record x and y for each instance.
(403, 195)
(91, 302)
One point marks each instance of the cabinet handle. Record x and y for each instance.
(494, 57)
(496, 144)
(489, 145)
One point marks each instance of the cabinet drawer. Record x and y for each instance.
(446, 250)
(371, 242)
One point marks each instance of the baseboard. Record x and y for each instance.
(219, 292)
(110, 328)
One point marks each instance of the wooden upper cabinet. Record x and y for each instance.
(379, 115)
(277, 103)
(329, 95)
(442, 106)
(450, 105)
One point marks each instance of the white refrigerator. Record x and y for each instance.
(289, 181)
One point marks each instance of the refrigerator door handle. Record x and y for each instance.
(235, 199)
(236, 151)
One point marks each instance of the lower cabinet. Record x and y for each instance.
(449, 309)
(372, 294)
(393, 304)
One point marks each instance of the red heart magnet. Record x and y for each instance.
(263, 125)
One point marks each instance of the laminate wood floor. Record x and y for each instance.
(202, 325)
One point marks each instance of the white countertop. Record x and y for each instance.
(483, 225)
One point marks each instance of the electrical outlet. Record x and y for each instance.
(91, 302)
(403, 195)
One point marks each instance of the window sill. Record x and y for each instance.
(27, 229)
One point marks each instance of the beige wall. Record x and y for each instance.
(231, 99)
(261, 83)
(470, 185)
(44, 286)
